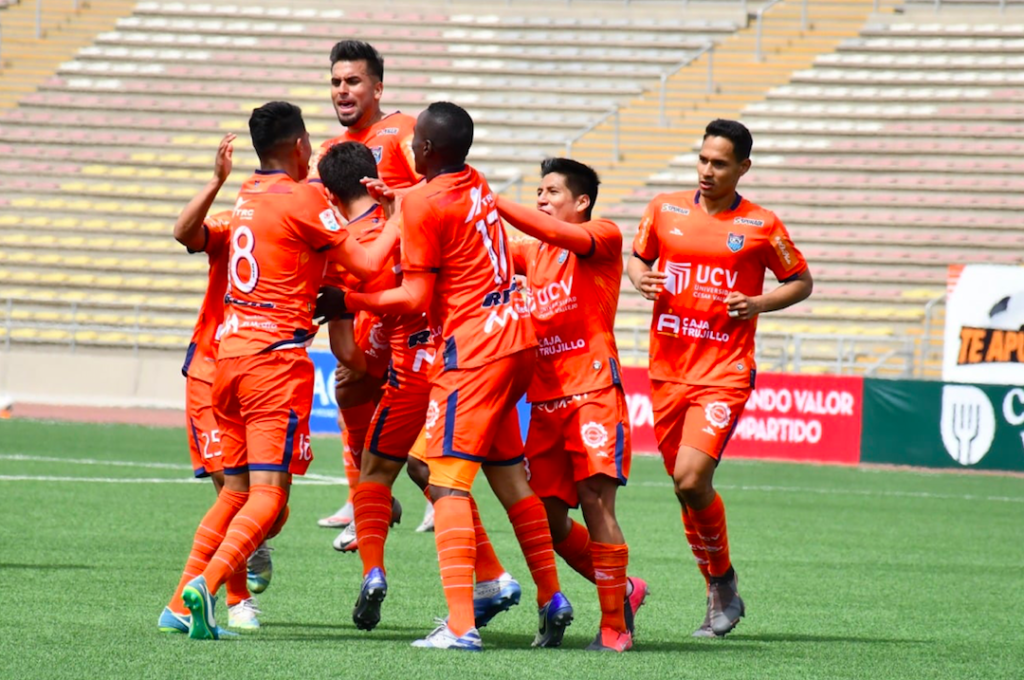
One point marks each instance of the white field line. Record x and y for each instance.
(314, 479)
(324, 480)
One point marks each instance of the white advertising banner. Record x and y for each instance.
(984, 341)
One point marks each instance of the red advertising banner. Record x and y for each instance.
(799, 418)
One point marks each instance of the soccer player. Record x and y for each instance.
(455, 261)
(714, 247)
(263, 382)
(402, 411)
(578, 445)
(201, 232)
(357, 84)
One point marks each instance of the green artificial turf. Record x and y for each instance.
(847, 573)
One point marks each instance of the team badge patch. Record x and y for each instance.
(329, 221)
(735, 242)
(563, 256)
(718, 414)
(433, 413)
(594, 435)
(378, 153)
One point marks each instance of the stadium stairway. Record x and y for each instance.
(26, 60)
(739, 78)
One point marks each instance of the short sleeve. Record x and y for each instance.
(421, 235)
(218, 234)
(315, 221)
(784, 259)
(645, 243)
(607, 239)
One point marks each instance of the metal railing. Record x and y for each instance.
(927, 343)
(611, 113)
(1001, 3)
(759, 18)
(708, 49)
(811, 352)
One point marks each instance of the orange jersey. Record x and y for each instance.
(693, 339)
(413, 350)
(390, 140)
(452, 228)
(202, 349)
(365, 228)
(280, 232)
(573, 301)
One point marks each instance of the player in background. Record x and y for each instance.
(455, 262)
(578, 445)
(281, 229)
(397, 426)
(714, 247)
(201, 232)
(357, 84)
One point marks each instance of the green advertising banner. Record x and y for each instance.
(937, 425)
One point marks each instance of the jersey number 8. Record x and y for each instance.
(242, 244)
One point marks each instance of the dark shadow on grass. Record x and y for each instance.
(347, 626)
(45, 567)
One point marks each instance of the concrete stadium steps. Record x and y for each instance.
(739, 79)
(27, 60)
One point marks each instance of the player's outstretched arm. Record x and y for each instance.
(188, 230)
(412, 296)
(644, 278)
(795, 290)
(545, 228)
(367, 262)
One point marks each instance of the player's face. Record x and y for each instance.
(303, 151)
(555, 199)
(355, 94)
(718, 171)
(420, 147)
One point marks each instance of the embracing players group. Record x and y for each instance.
(440, 323)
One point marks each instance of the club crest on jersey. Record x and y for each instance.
(378, 153)
(594, 435)
(329, 221)
(563, 256)
(735, 242)
(718, 414)
(433, 413)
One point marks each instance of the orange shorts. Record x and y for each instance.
(398, 422)
(472, 419)
(419, 448)
(262, 403)
(577, 437)
(372, 338)
(696, 416)
(203, 431)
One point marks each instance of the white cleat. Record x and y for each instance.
(244, 615)
(428, 520)
(339, 520)
(347, 541)
(443, 638)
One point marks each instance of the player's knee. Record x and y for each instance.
(690, 483)
(596, 490)
(419, 472)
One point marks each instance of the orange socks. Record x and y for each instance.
(351, 467)
(237, 587)
(456, 553)
(530, 522)
(357, 423)
(700, 553)
(246, 531)
(372, 504)
(575, 550)
(488, 567)
(709, 526)
(208, 538)
(610, 563)
(282, 519)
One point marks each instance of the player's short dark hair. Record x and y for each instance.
(357, 50)
(736, 132)
(275, 124)
(453, 133)
(342, 168)
(580, 179)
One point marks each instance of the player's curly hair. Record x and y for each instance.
(274, 124)
(342, 168)
(357, 50)
(736, 132)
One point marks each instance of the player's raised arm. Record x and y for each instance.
(188, 230)
(367, 262)
(546, 228)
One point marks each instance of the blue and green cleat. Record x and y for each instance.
(172, 622)
(200, 602)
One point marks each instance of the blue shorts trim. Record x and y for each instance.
(236, 470)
